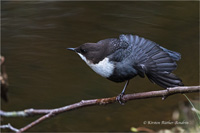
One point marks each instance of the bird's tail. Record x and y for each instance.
(165, 80)
(160, 67)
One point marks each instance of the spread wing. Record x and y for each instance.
(153, 60)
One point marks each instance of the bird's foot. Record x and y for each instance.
(119, 99)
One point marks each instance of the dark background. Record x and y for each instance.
(43, 74)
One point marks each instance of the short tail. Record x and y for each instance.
(160, 67)
(165, 80)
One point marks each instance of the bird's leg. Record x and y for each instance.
(123, 91)
(119, 97)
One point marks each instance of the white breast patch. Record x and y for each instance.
(103, 68)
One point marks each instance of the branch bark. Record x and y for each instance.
(47, 113)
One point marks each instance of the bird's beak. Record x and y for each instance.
(72, 49)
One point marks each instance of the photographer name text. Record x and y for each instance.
(166, 122)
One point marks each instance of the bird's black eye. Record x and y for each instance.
(83, 51)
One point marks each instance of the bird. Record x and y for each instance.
(123, 58)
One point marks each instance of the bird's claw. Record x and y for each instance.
(119, 99)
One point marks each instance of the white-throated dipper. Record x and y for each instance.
(120, 59)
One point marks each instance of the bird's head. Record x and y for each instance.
(94, 52)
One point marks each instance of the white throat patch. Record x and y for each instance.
(103, 68)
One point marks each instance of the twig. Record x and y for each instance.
(35, 122)
(9, 127)
(51, 112)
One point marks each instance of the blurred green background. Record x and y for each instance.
(43, 74)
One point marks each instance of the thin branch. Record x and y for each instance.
(127, 97)
(51, 112)
(8, 126)
(35, 122)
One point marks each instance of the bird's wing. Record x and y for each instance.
(153, 60)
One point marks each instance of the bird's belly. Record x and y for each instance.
(123, 74)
